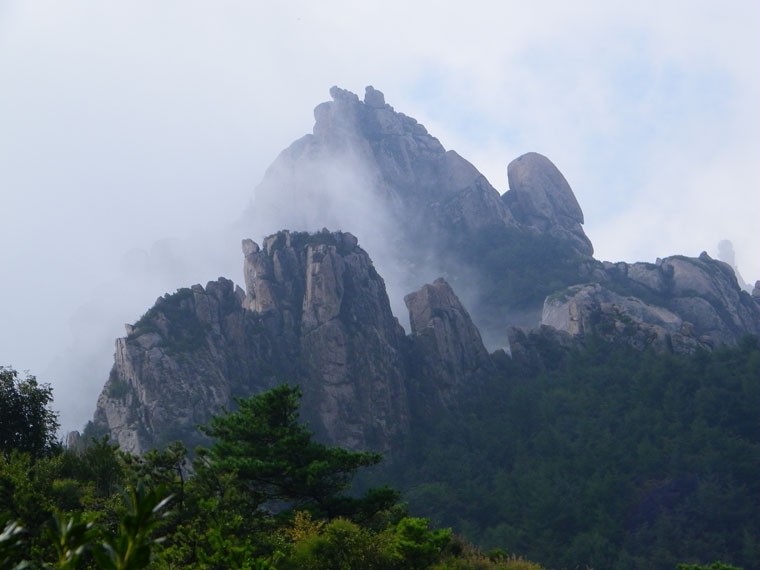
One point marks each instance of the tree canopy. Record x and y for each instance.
(26, 422)
(277, 459)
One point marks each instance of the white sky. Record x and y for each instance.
(132, 135)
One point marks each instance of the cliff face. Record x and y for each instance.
(422, 211)
(449, 359)
(678, 304)
(418, 187)
(316, 314)
(182, 360)
(321, 297)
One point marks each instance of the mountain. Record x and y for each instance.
(423, 212)
(316, 312)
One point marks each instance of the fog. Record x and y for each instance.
(133, 135)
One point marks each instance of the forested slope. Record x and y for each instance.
(611, 458)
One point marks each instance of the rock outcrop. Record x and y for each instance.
(702, 291)
(586, 310)
(422, 211)
(539, 197)
(403, 176)
(320, 296)
(315, 313)
(182, 361)
(679, 304)
(449, 356)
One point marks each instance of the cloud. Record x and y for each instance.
(126, 124)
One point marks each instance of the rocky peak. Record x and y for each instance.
(450, 355)
(679, 303)
(586, 310)
(367, 164)
(366, 149)
(320, 293)
(374, 98)
(540, 197)
(705, 292)
(316, 277)
(315, 314)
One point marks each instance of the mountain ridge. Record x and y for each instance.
(317, 312)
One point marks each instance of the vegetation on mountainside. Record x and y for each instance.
(609, 458)
(518, 269)
(26, 422)
(173, 317)
(265, 496)
(612, 458)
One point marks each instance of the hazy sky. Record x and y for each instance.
(132, 135)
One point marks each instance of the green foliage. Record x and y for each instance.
(73, 539)
(130, 547)
(415, 543)
(174, 318)
(713, 566)
(70, 536)
(26, 422)
(612, 458)
(279, 463)
(264, 497)
(407, 545)
(519, 269)
(340, 545)
(11, 544)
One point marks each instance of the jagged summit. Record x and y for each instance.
(365, 158)
(316, 312)
(422, 211)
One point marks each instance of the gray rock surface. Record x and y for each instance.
(585, 310)
(420, 208)
(678, 304)
(449, 353)
(315, 313)
(184, 360)
(322, 295)
(540, 198)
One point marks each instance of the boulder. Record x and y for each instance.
(539, 197)
(585, 310)
(448, 353)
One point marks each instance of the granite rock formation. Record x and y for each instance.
(315, 313)
(449, 356)
(422, 210)
(321, 297)
(539, 197)
(403, 179)
(678, 304)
